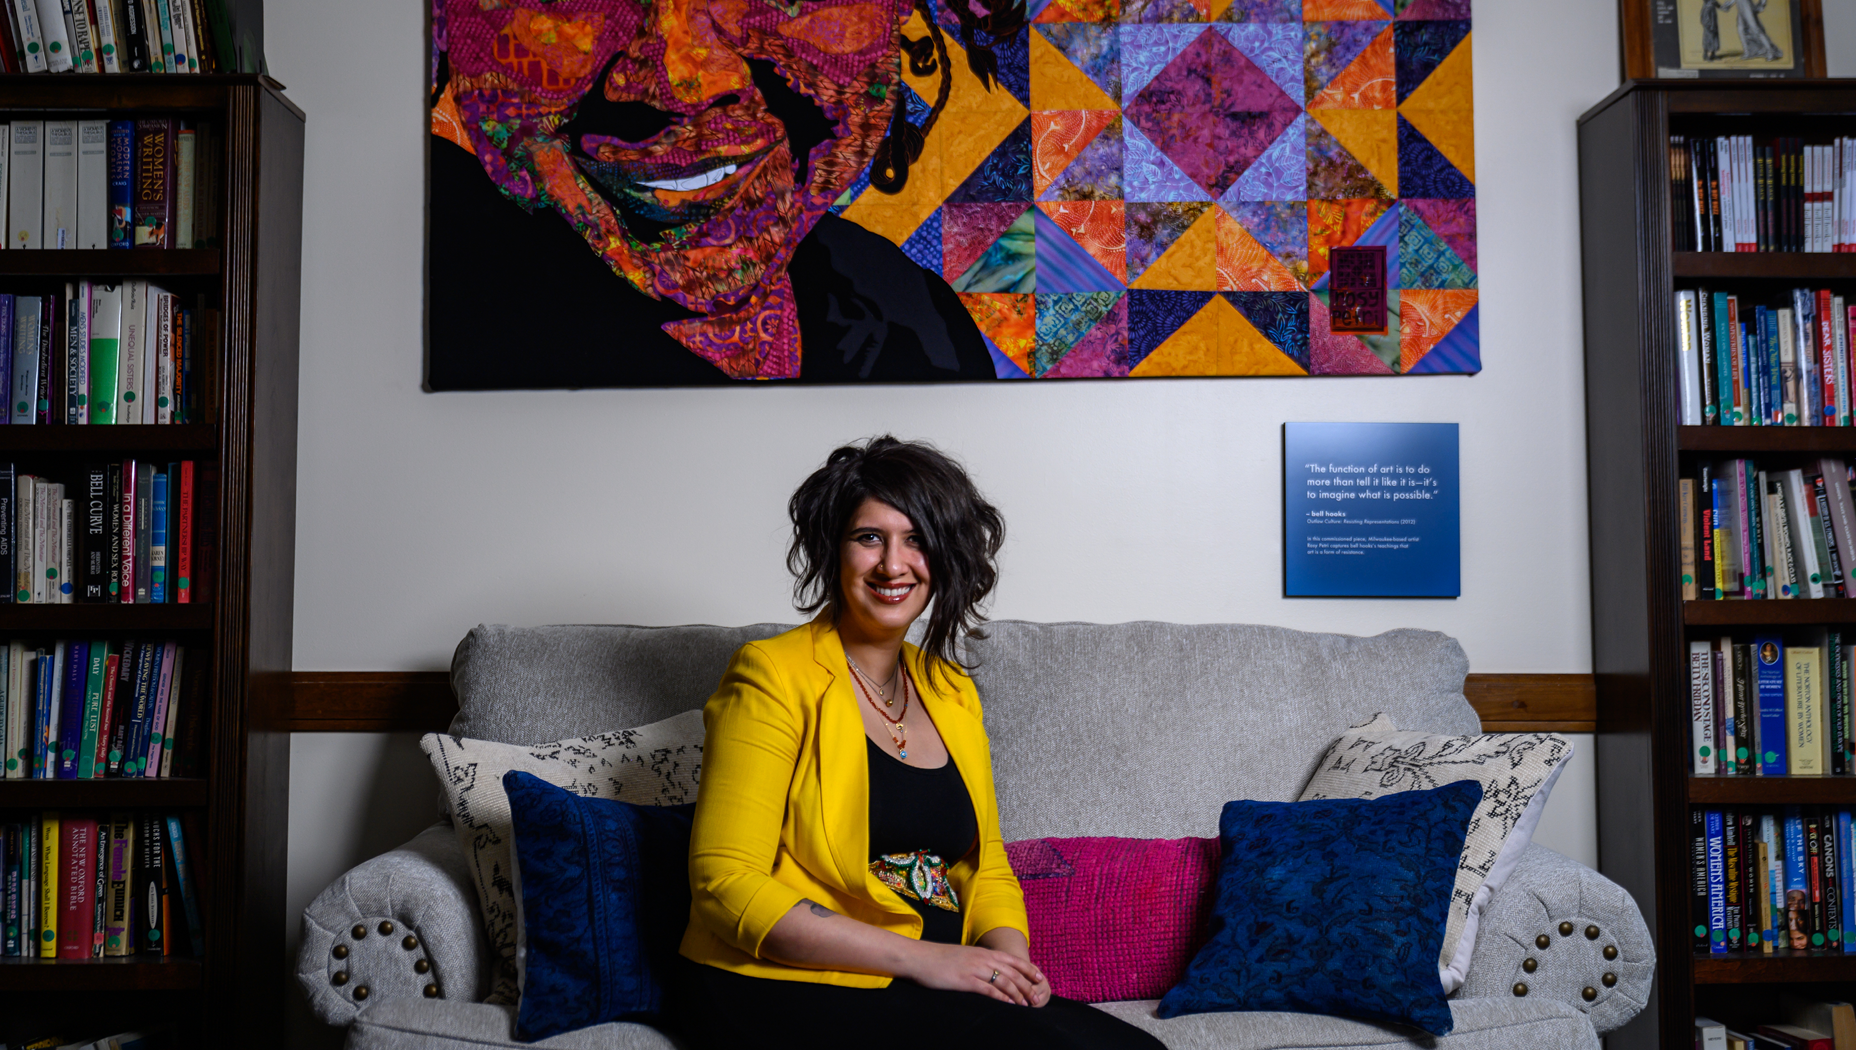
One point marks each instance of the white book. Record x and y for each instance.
(1701, 706)
(105, 345)
(60, 229)
(1810, 198)
(1744, 183)
(187, 33)
(67, 550)
(154, 349)
(26, 195)
(129, 361)
(25, 364)
(1724, 173)
(185, 180)
(164, 360)
(42, 503)
(109, 38)
(6, 164)
(51, 30)
(1797, 388)
(77, 376)
(1849, 191)
(31, 41)
(19, 713)
(83, 37)
(1798, 519)
(93, 184)
(1688, 358)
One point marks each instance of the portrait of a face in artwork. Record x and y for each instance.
(638, 193)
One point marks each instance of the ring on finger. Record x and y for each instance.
(994, 978)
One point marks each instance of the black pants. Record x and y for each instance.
(721, 1010)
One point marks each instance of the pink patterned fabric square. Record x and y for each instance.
(1114, 919)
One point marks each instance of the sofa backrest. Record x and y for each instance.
(1145, 730)
(1135, 729)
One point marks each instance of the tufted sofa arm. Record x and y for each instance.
(1561, 930)
(402, 925)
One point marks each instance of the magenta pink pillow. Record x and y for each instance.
(1115, 919)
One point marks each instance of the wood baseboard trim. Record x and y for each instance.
(422, 702)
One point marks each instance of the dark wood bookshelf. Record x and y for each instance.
(1783, 966)
(244, 554)
(1735, 612)
(1753, 440)
(1772, 791)
(1804, 266)
(132, 973)
(111, 793)
(1635, 453)
(104, 262)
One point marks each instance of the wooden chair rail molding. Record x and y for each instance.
(421, 702)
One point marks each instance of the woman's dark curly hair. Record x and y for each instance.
(960, 533)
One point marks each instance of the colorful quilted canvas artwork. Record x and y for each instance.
(1095, 188)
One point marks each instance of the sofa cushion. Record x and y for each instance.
(521, 684)
(1517, 772)
(1501, 1023)
(658, 764)
(444, 1024)
(1115, 918)
(1148, 729)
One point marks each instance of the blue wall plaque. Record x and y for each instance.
(1370, 510)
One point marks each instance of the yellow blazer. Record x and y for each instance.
(784, 810)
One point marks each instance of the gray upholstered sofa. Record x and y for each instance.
(1139, 729)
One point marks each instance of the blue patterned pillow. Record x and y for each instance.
(605, 896)
(1334, 906)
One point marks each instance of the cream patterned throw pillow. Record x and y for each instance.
(1517, 772)
(655, 765)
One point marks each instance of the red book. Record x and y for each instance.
(77, 885)
(1798, 1038)
(107, 713)
(182, 553)
(1826, 347)
(127, 591)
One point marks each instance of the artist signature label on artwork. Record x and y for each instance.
(1357, 289)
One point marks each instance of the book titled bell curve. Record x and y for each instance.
(1371, 510)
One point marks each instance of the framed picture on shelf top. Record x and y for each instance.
(1724, 39)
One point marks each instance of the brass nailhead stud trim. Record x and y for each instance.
(1610, 979)
(431, 991)
(1520, 989)
(1591, 933)
(1611, 951)
(340, 951)
(385, 927)
(340, 978)
(1530, 965)
(360, 992)
(1565, 929)
(421, 966)
(410, 942)
(359, 931)
(1589, 994)
(1542, 941)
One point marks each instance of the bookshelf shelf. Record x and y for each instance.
(167, 792)
(128, 974)
(1772, 791)
(1816, 266)
(106, 617)
(1637, 453)
(1751, 440)
(1734, 612)
(239, 643)
(104, 262)
(198, 438)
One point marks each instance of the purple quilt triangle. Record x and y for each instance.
(1148, 175)
(1275, 47)
(1280, 173)
(1146, 50)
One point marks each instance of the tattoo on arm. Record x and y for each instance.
(818, 909)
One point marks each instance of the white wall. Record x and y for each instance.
(422, 515)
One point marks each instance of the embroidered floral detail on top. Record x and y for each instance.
(920, 876)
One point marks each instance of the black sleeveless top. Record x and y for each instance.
(921, 809)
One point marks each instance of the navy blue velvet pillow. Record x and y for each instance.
(1334, 906)
(605, 897)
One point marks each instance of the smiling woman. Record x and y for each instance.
(693, 148)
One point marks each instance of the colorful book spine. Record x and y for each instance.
(1797, 883)
(141, 707)
(96, 665)
(170, 730)
(1701, 706)
(12, 843)
(106, 718)
(127, 531)
(158, 723)
(158, 541)
(1731, 882)
(77, 876)
(154, 180)
(50, 836)
(71, 708)
(1717, 886)
(184, 876)
(25, 358)
(151, 887)
(1770, 735)
(118, 914)
(183, 546)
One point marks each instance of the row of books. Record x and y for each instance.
(158, 1039)
(95, 886)
(103, 353)
(1767, 708)
(1806, 1024)
(1731, 193)
(129, 538)
(85, 710)
(143, 183)
(117, 36)
(1764, 881)
(1750, 533)
(1783, 363)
